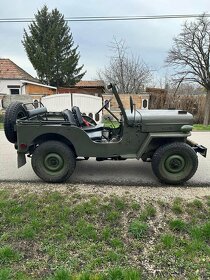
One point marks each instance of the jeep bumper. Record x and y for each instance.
(197, 148)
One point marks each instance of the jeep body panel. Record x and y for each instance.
(133, 143)
(159, 120)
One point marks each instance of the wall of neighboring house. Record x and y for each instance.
(38, 90)
(18, 90)
(138, 99)
(96, 91)
(11, 87)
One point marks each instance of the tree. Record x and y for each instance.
(128, 72)
(190, 55)
(50, 48)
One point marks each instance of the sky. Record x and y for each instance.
(148, 39)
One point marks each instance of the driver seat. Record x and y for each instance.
(94, 132)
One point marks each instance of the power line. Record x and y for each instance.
(112, 18)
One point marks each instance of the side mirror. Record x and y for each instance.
(131, 104)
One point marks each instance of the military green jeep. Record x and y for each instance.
(54, 141)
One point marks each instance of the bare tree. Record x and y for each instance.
(128, 72)
(190, 55)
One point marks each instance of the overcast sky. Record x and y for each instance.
(149, 39)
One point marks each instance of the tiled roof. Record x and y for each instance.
(9, 70)
(83, 84)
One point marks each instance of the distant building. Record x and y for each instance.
(96, 88)
(15, 81)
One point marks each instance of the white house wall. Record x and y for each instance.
(5, 83)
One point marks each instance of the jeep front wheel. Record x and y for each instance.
(174, 163)
(53, 161)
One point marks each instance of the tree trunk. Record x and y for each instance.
(207, 108)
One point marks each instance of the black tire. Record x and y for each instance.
(53, 161)
(174, 163)
(14, 111)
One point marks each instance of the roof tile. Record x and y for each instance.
(9, 70)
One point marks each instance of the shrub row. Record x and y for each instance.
(193, 104)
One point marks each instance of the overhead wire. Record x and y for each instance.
(112, 18)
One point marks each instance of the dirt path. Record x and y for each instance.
(166, 193)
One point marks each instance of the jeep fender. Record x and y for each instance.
(165, 135)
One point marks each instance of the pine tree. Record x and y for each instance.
(50, 48)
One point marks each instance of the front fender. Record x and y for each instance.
(163, 135)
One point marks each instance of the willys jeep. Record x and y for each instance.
(54, 141)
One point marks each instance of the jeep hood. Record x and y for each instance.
(159, 120)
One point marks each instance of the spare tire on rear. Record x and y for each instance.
(14, 111)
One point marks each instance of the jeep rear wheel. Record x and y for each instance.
(14, 111)
(174, 163)
(53, 161)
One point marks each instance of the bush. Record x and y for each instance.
(193, 104)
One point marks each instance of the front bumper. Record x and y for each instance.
(197, 148)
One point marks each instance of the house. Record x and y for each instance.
(15, 81)
(96, 88)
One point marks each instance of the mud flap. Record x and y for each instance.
(21, 159)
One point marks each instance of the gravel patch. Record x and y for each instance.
(166, 193)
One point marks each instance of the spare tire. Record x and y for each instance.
(14, 111)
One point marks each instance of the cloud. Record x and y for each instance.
(149, 39)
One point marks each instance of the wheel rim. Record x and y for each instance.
(53, 162)
(175, 164)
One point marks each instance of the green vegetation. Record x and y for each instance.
(112, 124)
(1, 120)
(75, 236)
(200, 127)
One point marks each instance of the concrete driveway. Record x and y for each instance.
(129, 172)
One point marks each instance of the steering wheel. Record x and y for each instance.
(104, 106)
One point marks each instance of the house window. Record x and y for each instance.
(145, 104)
(14, 89)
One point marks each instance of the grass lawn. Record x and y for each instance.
(200, 127)
(1, 125)
(70, 236)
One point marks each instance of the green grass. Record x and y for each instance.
(201, 127)
(138, 229)
(1, 125)
(177, 206)
(112, 124)
(76, 236)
